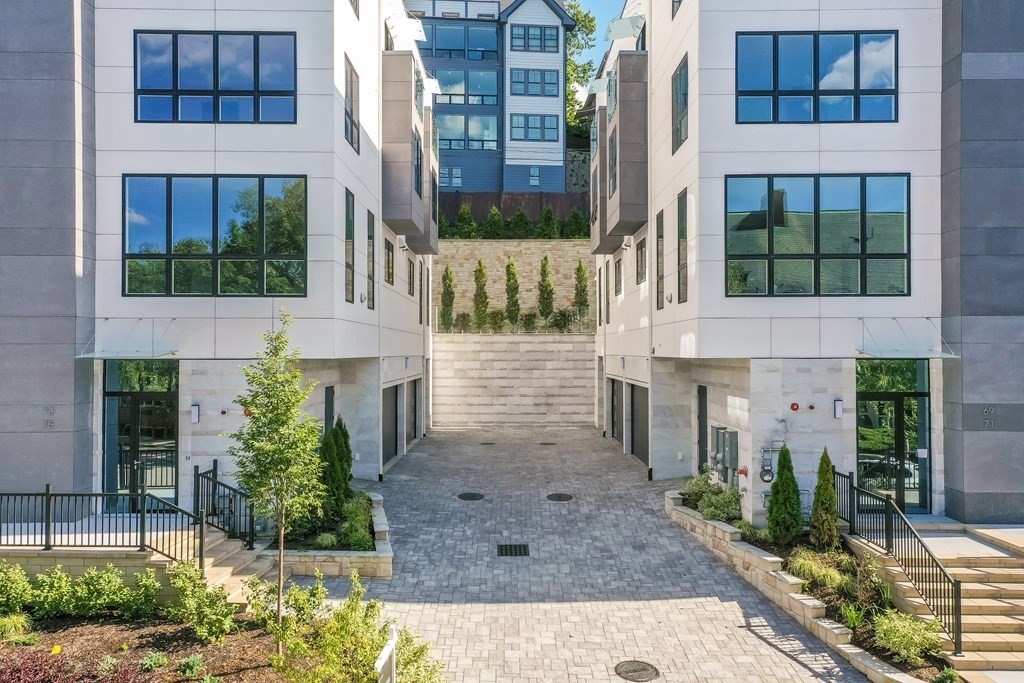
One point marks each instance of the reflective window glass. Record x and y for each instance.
(887, 276)
(239, 277)
(192, 215)
(482, 42)
(796, 108)
(747, 277)
(754, 109)
(839, 218)
(835, 61)
(145, 276)
(156, 108)
(452, 85)
(887, 204)
(191, 277)
(237, 215)
(793, 277)
(451, 130)
(483, 132)
(284, 216)
(840, 276)
(483, 87)
(236, 109)
(747, 216)
(449, 41)
(155, 70)
(195, 61)
(878, 61)
(793, 212)
(835, 108)
(195, 108)
(145, 218)
(279, 109)
(796, 62)
(877, 108)
(277, 62)
(755, 62)
(235, 61)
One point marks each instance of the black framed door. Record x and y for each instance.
(145, 444)
(617, 410)
(640, 440)
(411, 405)
(702, 428)
(389, 416)
(893, 447)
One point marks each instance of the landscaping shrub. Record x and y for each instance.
(520, 227)
(868, 581)
(722, 505)
(303, 605)
(210, 678)
(785, 518)
(753, 534)
(37, 667)
(26, 640)
(493, 227)
(205, 610)
(824, 510)
(153, 661)
(463, 322)
(581, 294)
(325, 541)
(545, 291)
(512, 293)
(694, 490)
(947, 675)
(907, 637)
(53, 593)
(465, 225)
(336, 455)
(191, 666)
(480, 300)
(15, 589)
(356, 531)
(140, 602)
(547, 226)
(496, 321)
(448, 298)
(563, 319)
(97, 590)
(854, 616)
(529, 321)
(14, 625)
(807, 565)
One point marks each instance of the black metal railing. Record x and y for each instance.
(879, 520)
(101, 520)
(227, 507)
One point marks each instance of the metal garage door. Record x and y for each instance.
(389, 411)
(638, 418)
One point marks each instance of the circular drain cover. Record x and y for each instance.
(471, 496)
(487, 443)
(560, 497)
(636, 671)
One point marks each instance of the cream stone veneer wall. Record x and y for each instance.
(563, 255)
(519, 379)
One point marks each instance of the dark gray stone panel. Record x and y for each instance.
(38, 198)
(952, 29)
(992, 154)
(30, 461)
(37, 110)
(991, 109)
(950, 203)
(993, 373)
(993, 26)
(953, 452)
(950, 268)
(955, 504)
(37, 286)
(36, 26)
(991, 241)
(993, 330)
(991, 463)
(992, 507)
(992, 197)
(36, 153)
(951, 115)
(38, 373)
(37, 66)
(992, 285)
(37, 242)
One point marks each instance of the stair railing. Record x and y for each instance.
(227, 507)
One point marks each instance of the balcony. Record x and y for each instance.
(600, 241)
(404, 146)
(627, 145)
(425, 243)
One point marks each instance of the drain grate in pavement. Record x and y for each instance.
(636, 671)
(513, 550)
(560, 497)
(548, 443)
(471, 496)
(487, 443)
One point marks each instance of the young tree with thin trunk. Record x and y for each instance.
(511, 293)
(447, 299)
(581, 297)
(480, 301)
(545, 291)
(785, 517)
(277, 459)
(824, 510)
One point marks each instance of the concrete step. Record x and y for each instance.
(988, 642)
(981, 606)
(993, 623)
(986, 661)
(967, 589)
(264, 568)
(988, 574)
(1007, 538)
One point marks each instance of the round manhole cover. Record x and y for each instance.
(636, 671)
(487, 443)
(560, 497)
(471, 496)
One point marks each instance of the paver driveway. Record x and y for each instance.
(609, 577)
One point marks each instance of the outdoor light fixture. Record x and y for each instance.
(195, 413)
(837, 408)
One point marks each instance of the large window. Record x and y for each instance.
(594, 196)
(371, 257)
(412, 278)
(534, 38)
(816, 77)
(600, 294)
(641, 261)
(538, 82)
(618, 276)
(534, 127)
(350, 246)
(450, 42)
(351, 105)
(483, 88)
(613, 162)
(818, 235)
(417, 162)
(451, 131)
(214, 236)
(451, 176)
(452, 86)
(190, 77)
(482, 42)
(680, 105)
(482, 132)
(389, 262)
(659, 261)
(683, 249)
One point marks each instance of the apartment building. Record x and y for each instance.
(175, 177)
(500, 105)
(768, 242)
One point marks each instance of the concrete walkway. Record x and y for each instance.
(608, 578)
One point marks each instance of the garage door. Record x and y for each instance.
(638, 418)
(389, 411)
(412, 393)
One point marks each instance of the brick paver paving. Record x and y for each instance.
(609, 576)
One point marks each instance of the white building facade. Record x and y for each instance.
(768, 228)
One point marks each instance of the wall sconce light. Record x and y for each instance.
(669, 297)
(195, 413)
(837, 408)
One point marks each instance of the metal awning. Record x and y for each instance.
(915, 348)
(627, 27)
(135, 354)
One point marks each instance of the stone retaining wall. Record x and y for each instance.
(75, 561)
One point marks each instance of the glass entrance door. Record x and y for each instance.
(893, 448)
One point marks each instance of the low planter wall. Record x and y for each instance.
(763, 571)
(376, 564)
(75, 561)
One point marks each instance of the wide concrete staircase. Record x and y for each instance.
(990, 565)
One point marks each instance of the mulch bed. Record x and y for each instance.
(243, 656)
(863, 637)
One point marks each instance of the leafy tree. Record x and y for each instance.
(494, 227)
(581, 297)
(447, 298)
(521, 226)
(480, 302)
(465, 225)
(496, 320)
(577, 72)
(545, 291)
(277, 458)
(512, 293)
(547, 228)
(576, 226)
(824, 512)
(336, 453)
(445, 229)
(785, 518)
(463, 321)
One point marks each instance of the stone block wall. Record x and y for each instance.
(563, 255)
(518, 379)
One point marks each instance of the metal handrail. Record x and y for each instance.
(879, 520)
(227, 507)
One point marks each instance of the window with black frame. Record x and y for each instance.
(680, 104)
(412, 278)
(215, 77)
(834, 235)
(641, 261)
(450, 42)
(451, 85)
(389, 262)
(417, 162)
(618, 276)
(534, 38)
(482, 132)
(534, 82)
(451, 131)
(214, 236)
(482, 42)
(351, 105)
(682, 255)
(613, 162)
(534, 127)
(825, 77)
(371, 265)
(350, 246)
(659, 261)
(483, 88)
